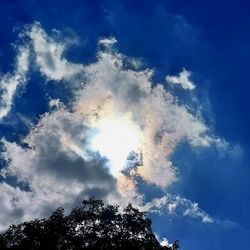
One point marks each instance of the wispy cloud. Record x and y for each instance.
(55, 160)
(182, 79)
(174, 204)
(10, 82)
(107, 41)
(49, 55)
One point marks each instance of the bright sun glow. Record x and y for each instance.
(115, 139)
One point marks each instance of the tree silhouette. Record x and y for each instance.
(92, 226)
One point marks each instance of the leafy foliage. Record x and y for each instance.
(92, 225)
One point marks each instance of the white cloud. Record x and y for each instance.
(49, 55)
(55, 160)
(111, 88)
(165, 242)
(56, 168)
(194, 211)
(48, 58)
(174, 204)
(54, 103)
(182, 79)
(11, 81)
(107, 41)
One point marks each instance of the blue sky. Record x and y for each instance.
(210, 40)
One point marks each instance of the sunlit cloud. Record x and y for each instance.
(116, 137)
(84, 148)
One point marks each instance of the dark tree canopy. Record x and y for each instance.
(92, 225)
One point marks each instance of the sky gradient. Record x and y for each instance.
(176, 73)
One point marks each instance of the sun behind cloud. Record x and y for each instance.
(81, 148)
(116, 138)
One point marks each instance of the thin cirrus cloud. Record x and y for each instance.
(57, 165)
